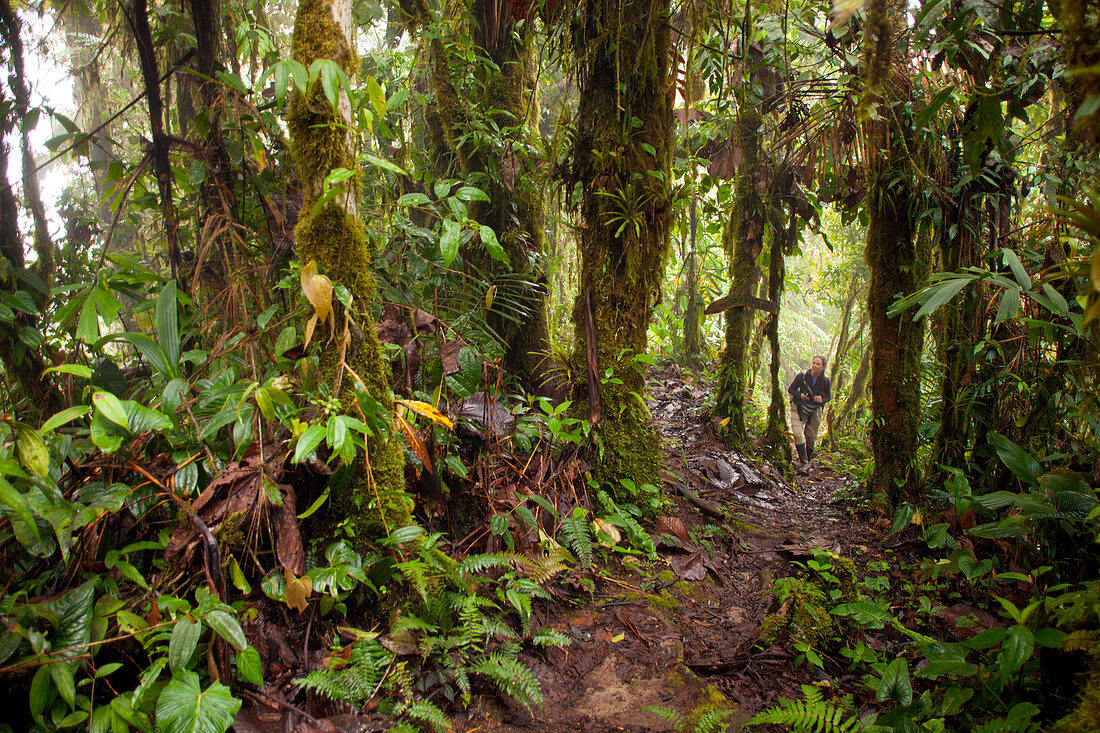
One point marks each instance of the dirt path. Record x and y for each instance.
(683, 635)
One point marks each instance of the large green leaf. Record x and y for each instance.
(895, 683)
(227, 628)
(31, 449)
(1018, 460)
(448, 241)
(184, 707)
(17, 502)
(1017, 648)
(185, 638)
(74, 632)
(168, 326)
(148, 348)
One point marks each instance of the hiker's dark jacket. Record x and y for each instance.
(804, 383)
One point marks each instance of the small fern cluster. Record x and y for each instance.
(710, 721)
(470, 620)
(812, 714)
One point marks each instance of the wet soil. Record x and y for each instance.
(683, 633)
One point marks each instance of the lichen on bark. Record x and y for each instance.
(375, 500)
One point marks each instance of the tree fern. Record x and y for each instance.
(810, 714)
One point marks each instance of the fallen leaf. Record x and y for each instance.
(298, 590)
(428, 411)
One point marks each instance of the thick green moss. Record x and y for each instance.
(375, 501)
(742, 241)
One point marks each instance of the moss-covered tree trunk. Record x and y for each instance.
(693, 326)
(621, 160)
(508, 174)
(775, 439)
(742, 242)
(376, 500)
(957, 325)
(897, 342)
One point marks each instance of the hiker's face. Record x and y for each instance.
(817, 367)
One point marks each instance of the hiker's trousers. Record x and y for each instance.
(804, 432)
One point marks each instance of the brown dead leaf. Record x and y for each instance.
(449, 354)
(288, 536)
(673, 526)
(690, 567)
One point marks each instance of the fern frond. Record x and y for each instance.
(812, 713)
(485, 561)
(550, 637)
(667, 713)
(356, 680)
(426, 712)
(512, 677)
(712, 720)
(577, 536)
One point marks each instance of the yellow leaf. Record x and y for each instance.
(415, 441)
(610, 530)
(428, 411)
(310, 325)
(618, 637)
(723, 422)
(298, 590)
(489, 295)
(31, 450)
(318, 291)
(918, 518)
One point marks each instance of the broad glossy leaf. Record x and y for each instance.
(377, 96)
(168, 326)
(227, 628)
(448, 241)
(1017, 648)
(111, 408)
(184, 707)
(1018, 460)
(31, 450)
(184, 641)
(895, 684)
(492, 246)
(384, 164)
(250, 666)
(309, 441)
(65, 416)
(17, 502)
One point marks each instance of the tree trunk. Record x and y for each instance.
(783, 237)
(333, 237)
(693, 337)
(742, 241)
(896, 341)
(516, 208)
(138, 17)
(622, 159)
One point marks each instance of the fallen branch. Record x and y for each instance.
(704, 506)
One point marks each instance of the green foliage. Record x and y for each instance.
(812, 714)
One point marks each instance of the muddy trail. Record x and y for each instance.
(683, 634)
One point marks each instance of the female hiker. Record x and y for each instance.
(809, 391)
